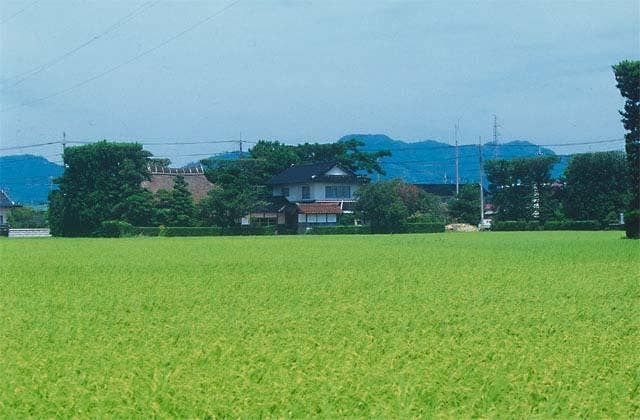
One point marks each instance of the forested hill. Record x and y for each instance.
(430, 161)
(27, 178)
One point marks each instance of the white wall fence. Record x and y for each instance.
(29, 233)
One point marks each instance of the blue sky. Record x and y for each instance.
(315, 70)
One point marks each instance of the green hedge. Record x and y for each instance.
(115, 229)
(508, 226)
(573, 225)
(362, 230)
(205, 231)
(551, 225)
(249, 230)
(422, 228)
(340, 230)
(192, 231)
(147, 231)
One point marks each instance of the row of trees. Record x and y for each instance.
(595, 186)
(102, 182)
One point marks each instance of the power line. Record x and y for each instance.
(18, 12)
(28, 146)
(36, 70)
(131, 60)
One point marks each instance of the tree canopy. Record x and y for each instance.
(465, 207)
(596, 186)
(521, 188)
(627, 74)
(101, 181)
(274, 157)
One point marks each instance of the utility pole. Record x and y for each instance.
(240, 142)
(480, 182)
(496, 145)
(455, 135)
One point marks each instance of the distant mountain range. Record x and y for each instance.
(27, 178)
(434, 162)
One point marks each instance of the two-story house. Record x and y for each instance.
(320, 192)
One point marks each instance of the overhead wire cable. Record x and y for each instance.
(124, 63)
(39, 69)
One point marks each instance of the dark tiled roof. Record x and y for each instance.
(5, 201)
(311, 172)
(441, 190)
(319, 208)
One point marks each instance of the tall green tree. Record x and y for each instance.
(174, 207)
(627, 75)
(273, 157)
(465, 207)
(382, 206)
(97, 185)
(597, 186)
(421, 206)
(521, 188)
(239, 191)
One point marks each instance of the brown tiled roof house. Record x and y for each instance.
(163, 179)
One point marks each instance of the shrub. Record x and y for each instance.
(115, 229)
(632, 224)
(573, 225)
(513, 225)
(347, 219)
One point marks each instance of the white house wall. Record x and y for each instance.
(317, 190)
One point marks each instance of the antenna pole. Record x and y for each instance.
(457, 160)
(480, 182)
(496, 145)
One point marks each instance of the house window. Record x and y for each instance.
(337, 191)
(284, 191)
(306, 192)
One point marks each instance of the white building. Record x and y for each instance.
(318, 193)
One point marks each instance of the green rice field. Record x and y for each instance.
(513, 324)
